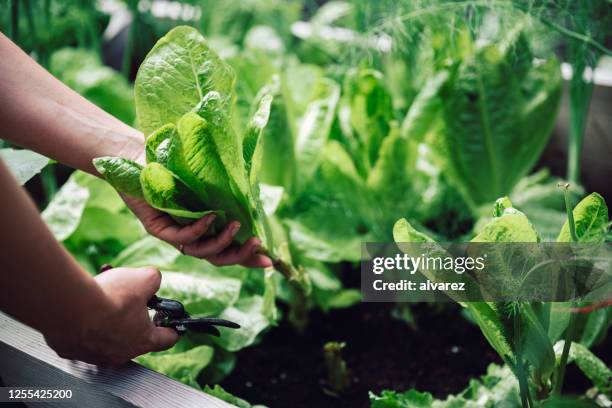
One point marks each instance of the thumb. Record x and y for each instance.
(162, 338)
(144, 281)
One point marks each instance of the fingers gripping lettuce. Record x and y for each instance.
(196, 162)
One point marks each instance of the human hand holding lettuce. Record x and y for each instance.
(197, 165)
(82, 308)
(32, 103)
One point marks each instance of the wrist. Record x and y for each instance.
(124, 142)
(134, 147)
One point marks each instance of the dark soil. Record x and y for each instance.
(440, 356)
(287, 368)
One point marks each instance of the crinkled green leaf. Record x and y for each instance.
(122, 174)
(148, 251)
(367, 105)
(492, 326)
(392, 178)
(199, 160)
(155, 139)
(64, 212)
(314, 126)
(249, 314)
(278, 164)
(179, 364)
(512, 226)
(394, 399)
(253, 143)
(220, 393)
(227, 144)
(23, 164)
(425, 108)
(498, 388)
(591, 220)
(329, 220)
(403, 231)
(201, 294)
(495, 125)
(98, 224)
(162, 190)
(176, 75)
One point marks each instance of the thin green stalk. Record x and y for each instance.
(569, 336)
(570, 213)
(569, 333)
(580, 98)
(520, 367)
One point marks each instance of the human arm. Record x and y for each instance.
(102, 320)
(39, 112)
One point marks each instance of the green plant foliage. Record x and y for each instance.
(24, 164)
(523, 333)
(97, 228)
(180, 362)
(82, 70)
(497, 388)
(205, 167)
(481, 136)
(596, 370)
(317, 136)
(122, 173)
(591, 218)
(180, 68)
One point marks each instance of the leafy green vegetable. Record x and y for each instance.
(497, 388)
(178, 72)
(493, 115)
(249, 314)
(591, 218)
(313, 127)
(202, 166)
(180, 362)
(219, 392)
(165, 192)
(24, 164)
(522, 333)
(155, 139)
(123, 174)
(63, 214)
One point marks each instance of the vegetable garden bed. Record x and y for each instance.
(439, 354)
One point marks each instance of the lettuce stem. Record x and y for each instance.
(569, 333)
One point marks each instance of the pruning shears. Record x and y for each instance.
(172, 313)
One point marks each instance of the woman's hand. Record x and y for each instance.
(189, 239)
(121, 328)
